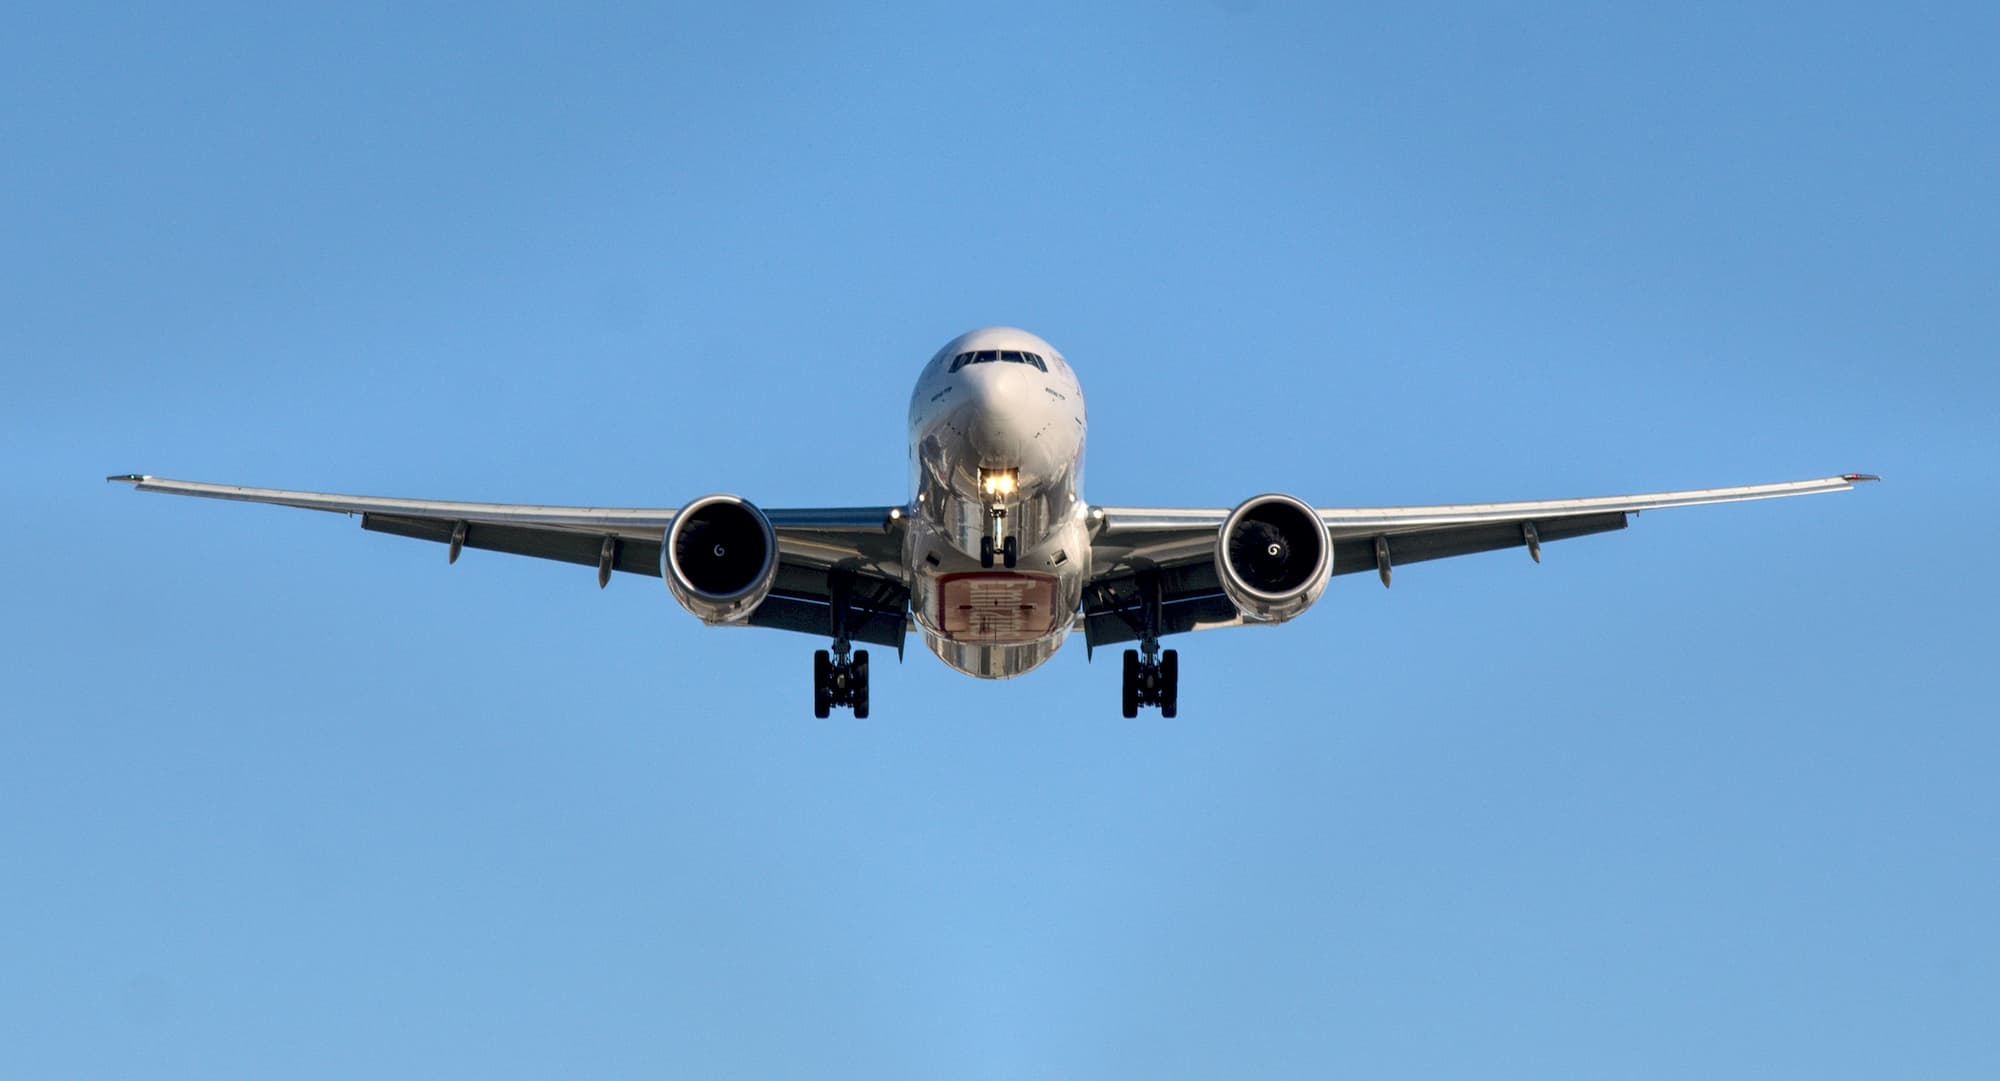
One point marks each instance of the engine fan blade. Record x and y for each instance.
(1260, 554)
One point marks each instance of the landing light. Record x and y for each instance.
(998, 482)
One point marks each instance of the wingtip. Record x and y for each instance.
(1856, 478)
(130, 478)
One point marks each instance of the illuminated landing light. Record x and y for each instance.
(998, 483)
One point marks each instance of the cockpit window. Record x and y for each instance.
(1007, 356)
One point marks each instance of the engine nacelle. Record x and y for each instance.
(1274, 558)
(720, 558)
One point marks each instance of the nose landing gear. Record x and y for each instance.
(998, 542)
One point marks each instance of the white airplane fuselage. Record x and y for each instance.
(996, 450)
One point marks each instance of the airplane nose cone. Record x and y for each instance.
(998, 416)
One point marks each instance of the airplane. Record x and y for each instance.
(996, 559)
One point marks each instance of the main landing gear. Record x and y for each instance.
(840, 674)
(1152, 682)
(1152, 675)
(840, 681)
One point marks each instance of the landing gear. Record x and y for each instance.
(1152, 675)
(838, 681)
(998, 542)
(840, 675)
(1009, 552)
(1150, 682)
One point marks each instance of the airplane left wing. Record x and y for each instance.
(850, 553)
(1176, 547)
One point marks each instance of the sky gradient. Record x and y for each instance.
(1712, 796)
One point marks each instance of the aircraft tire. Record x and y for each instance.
(1129, 699)
(857, 681)
(822, 683)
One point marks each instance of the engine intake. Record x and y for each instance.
(720, 558)
(1274, 558)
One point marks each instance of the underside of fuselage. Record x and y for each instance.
(998, 544)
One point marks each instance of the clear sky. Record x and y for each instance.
(1712, 797)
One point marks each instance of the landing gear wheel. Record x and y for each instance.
(839, 681)
(857, 684)
(1010, 550)
(1152, 678)
(1150, 682)
(986, 552)
(1129, 698)
(822, 684)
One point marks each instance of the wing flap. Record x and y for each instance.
(1354, 555)
(631, 554)
(815, 616)
(1191, 597)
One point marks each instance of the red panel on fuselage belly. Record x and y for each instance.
(997, 606)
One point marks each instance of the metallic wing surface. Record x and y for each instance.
(1177, 546)
(854, 552)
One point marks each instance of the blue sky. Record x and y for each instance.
(1709, 797)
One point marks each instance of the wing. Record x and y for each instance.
(853, 554)
(1177, 546)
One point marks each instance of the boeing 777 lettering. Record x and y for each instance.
(996, 559)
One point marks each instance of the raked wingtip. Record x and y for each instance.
(130, 478)
(1856, 478)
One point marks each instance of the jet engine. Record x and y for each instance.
(720, 558)
(1273, 557)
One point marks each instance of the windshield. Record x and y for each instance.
(1003, 356)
